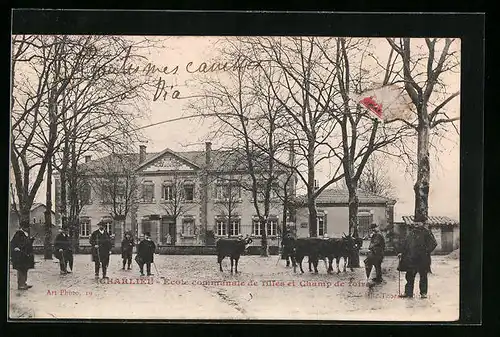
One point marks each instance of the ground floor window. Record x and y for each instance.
(146, 226)
(188, 227)
(321, 225)
(365, 219)
(272, 227)
(85, 227)
(221, 227)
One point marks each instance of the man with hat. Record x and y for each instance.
(375, 253)
(22, 256)
(63, 251)
(101, 249)
(127, 248)
(415, 257)
(145, 251)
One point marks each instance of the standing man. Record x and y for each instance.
(375, 253)
(146, 250)
(22, 256)
(286, 245)
(101, 249)
(63, 251)
(415, 257)
(127, 247)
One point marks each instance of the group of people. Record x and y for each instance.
(23, 259)
(414, 254)
(100, 241)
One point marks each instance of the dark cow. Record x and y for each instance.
(318, 248)
(347, 246)
(233, 248)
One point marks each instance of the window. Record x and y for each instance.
(85, 227)
(272, 227)
(365, 218)
(234, 227)
(148, 189)
(188, 227)
(221, 227)
(257, 227)
(189, 192)
(221, 192)
(109, 228)
(146, 225)
(85, 194)
(106, 192)
(321, 225)
(226, 191)
(168, 192)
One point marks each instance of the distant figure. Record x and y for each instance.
(101, 249)
(63, 251)
(375, 253)
(169, 239)
(145, 252)
(127, 247)
(22, 256)
(415, 257)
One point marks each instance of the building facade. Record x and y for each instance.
(37, 222)
(182, 199)
(333, 214)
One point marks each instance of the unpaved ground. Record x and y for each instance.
(186, 288)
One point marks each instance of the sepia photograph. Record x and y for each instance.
(234, 177)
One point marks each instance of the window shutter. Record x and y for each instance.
(325, 224)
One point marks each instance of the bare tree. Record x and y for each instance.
(177, 195)
(248, 120)
(375, 177)
(423, 75)
(297, 79)
(113, 179)
(360, 136)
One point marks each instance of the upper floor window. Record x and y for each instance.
(227, 191)
(168, 192)
(148, 189)
(189, 191)
(85, 194)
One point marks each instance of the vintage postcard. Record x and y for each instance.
(234, 177)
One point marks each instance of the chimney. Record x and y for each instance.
(87, 158)
(208, 153)
(142, 153)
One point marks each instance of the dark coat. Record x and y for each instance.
(377, 245)
(105, 245)
(23, 259)
(416, 250)
(127, 246)
(63, 242)
(146, 250)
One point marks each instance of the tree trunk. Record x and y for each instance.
(263, 243)
(353, 220)
(47, 243)
(313, 217)
(421, 187)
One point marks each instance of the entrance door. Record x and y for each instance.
(168, 230)
(447, 239)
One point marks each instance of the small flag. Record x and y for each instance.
(386, 103)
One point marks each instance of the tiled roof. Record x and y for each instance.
(221, 159)
(340, 196)
(432, 220)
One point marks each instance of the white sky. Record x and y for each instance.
(444, 192)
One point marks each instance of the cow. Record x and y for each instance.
(347, 246)
(318, 248)
(233, 248)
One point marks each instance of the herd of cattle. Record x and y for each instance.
(295, 249)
